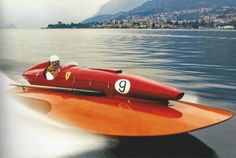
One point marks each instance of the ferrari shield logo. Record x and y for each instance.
(67, 76)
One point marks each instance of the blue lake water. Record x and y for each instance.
(201, 63)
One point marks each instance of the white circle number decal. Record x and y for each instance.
(122, 86)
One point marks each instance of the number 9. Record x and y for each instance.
(122, 86)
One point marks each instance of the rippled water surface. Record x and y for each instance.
(201, 63)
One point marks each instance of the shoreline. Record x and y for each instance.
(134, 29)
(146, 28)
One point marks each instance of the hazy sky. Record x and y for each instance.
(38, 13)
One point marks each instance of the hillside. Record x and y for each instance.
(116, 6)
(157, 6)
(160, 6)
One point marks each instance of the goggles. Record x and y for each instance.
(55, 63)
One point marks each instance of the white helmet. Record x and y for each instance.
(54, 58)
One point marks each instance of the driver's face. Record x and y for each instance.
(55, 63)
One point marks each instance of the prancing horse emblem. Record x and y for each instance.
(67, 76)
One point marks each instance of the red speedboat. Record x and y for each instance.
(104, 81)
(131, 105)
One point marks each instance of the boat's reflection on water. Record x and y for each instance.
(183, 145)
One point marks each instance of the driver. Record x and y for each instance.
(54, 68)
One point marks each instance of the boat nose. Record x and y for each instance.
(177, 94)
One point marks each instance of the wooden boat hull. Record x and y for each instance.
(120, 116)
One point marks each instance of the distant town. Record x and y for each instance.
(204, 18)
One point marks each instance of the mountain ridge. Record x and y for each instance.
(116, 6)
(158, 6)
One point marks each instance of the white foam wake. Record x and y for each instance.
(25, 133)
(190, 98)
